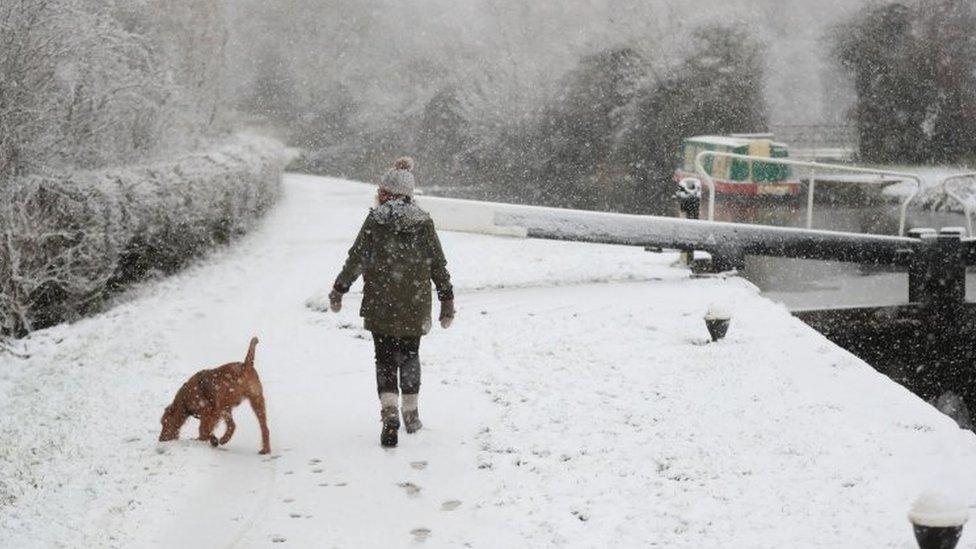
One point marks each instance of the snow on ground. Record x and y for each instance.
(575, 402)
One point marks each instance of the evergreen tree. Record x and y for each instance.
(273, 93)
(913, 69)
(443, 135)
(717, 89)
(579, 133)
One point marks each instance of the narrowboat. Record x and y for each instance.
(736, 176)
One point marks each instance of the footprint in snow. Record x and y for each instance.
(295, 515)
(450, 505)
(277, 539)
(418, 465)
(410, 488)
(420, 534)
(317, 471)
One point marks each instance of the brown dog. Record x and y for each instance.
(211, 394)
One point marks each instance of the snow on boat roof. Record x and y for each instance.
(729, 141)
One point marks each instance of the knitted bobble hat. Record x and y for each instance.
(399, 179)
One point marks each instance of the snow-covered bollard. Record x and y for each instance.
(938, 520)
(717, 321)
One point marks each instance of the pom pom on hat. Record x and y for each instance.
(403, 163)
(399, 179)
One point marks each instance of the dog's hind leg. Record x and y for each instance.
(230, 427)
(257, 404)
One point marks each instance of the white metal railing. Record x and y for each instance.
(811, 187)
(967, 203)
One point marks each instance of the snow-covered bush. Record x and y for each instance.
(935, 198)
(69, 241)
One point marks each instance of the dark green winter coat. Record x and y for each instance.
(398, 254)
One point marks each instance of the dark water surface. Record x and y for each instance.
(806, 284)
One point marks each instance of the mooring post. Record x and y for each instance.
(938, 520)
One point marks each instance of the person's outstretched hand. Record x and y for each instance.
(447, 313)
(335, 301)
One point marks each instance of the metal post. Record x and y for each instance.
(919, 270)
(937, 273)
(810, 190)
(946, 312)
(937, 286)
(967, 205)
(951, 270)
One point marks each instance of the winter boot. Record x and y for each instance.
(391, 420)
(411, 417)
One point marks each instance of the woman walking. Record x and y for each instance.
(398, 254)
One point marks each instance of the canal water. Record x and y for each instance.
(810, 284)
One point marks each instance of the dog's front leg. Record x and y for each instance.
(230, 427)
(208, 421)
(257, 404)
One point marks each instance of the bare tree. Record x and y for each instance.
(31, 49)
(90, 83)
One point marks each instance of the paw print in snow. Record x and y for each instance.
(450, 505)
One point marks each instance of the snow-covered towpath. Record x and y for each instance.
(574, 403)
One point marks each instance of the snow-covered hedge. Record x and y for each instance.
(67, 242)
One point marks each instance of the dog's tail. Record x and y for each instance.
(249, 360)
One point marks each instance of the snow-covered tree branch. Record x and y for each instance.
(87, 83)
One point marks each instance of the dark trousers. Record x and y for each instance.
(397, 356)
